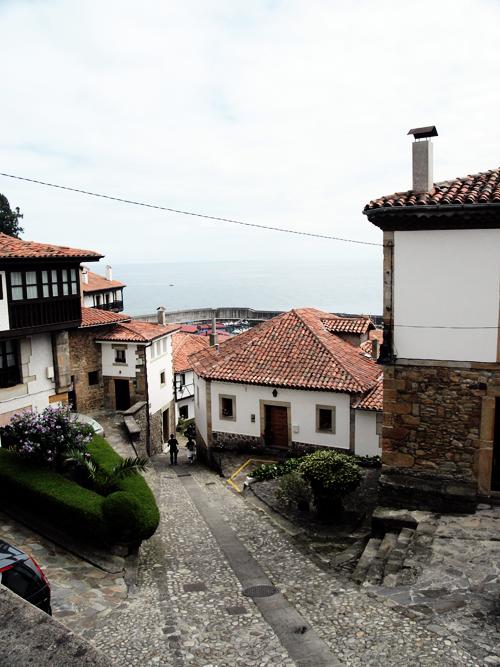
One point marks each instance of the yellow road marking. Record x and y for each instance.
(240, 470)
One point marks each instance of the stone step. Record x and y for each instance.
(397, 557)
(376, 569)
(369, 553)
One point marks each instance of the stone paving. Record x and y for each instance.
(186, 608)
(81, 593)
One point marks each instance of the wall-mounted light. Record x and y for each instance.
(275, 392)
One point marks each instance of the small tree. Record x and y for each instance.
(9, 219)
(98, 478)
(46, 438)
(331, 475)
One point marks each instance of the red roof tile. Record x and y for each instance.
(93, 317)
(374, 399)
(185, 344)
(483, 188)
(136, 331)
(97, 283)
(18, 248)
(349, 325)
(291, 350)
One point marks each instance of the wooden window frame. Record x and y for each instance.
(13, 371)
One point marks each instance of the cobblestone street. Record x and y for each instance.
(188, 608)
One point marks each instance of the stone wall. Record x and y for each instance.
(432, 433)
(235, 441)
(85, 357)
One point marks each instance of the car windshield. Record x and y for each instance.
(21, 580)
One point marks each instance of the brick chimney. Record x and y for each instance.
(109, 273)
(162, 315)
(422, 149)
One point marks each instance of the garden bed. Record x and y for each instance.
(128, 515)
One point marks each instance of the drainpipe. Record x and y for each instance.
(146, 387)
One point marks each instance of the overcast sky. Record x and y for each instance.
(289, 113)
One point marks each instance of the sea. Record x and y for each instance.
(341, 286)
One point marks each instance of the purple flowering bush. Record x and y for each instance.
(46, 438)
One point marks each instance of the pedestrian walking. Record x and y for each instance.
(191, 447)
(173, 448)
(191, 431)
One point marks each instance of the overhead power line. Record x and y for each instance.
(191, 213)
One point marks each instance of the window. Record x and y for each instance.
(16, 281)
(162, 377)
(182, 379)
(9, 368)
(65, 282)
(120, 357)
(227, 407)
(74, 284)
(184, 412)
(93, 378)
(54, 282)
(158, 350)
(164, 345)
(325, 419)
(45, 284)
(31, 285)
(98, 300)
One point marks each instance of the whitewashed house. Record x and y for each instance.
(441, 435)
(184, 345)
(39, 304)
(101, 291)
(291, 384)
(137, 367)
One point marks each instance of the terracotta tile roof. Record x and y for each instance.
(374, 334)
(189, 328)
(18, 248)
(373, 399)
(483, 188)
(93, 317)
(136, 331)
(97, 283)
(185, 344)
(350, 325)
(291, 350)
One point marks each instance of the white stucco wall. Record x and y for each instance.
(367, 442)
(200, 405)
(4, 305)
(113, 369)
(36, 387)
(187, 390)
(88, 300)
(447, 278)
(303, 412)
(159, 359)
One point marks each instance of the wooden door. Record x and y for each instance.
(122, 394)
(165, 418)
(276, 427)
(495, 473)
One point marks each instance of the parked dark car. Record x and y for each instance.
(22, 574)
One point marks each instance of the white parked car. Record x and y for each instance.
(85, 419)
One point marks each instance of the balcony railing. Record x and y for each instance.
(116, 306)
(44, 312)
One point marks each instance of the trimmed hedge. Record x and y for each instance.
(78, 510)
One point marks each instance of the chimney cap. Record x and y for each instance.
(424, 132)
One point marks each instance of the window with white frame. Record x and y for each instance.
(162, 378)
(325, 419)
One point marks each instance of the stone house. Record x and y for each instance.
(136, 360)
(441, 350)
(184, 345)
(291, 383)
(39, 306)
(101, 291)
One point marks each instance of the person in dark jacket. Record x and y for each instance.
(173, 448)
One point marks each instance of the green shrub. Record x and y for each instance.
(135, 485)
(123, 513)
(43, 492)
(77, 510)
(293, 489)
(368, 461)
(274, 470)
(330, 472)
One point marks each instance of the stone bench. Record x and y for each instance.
(133, 428)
